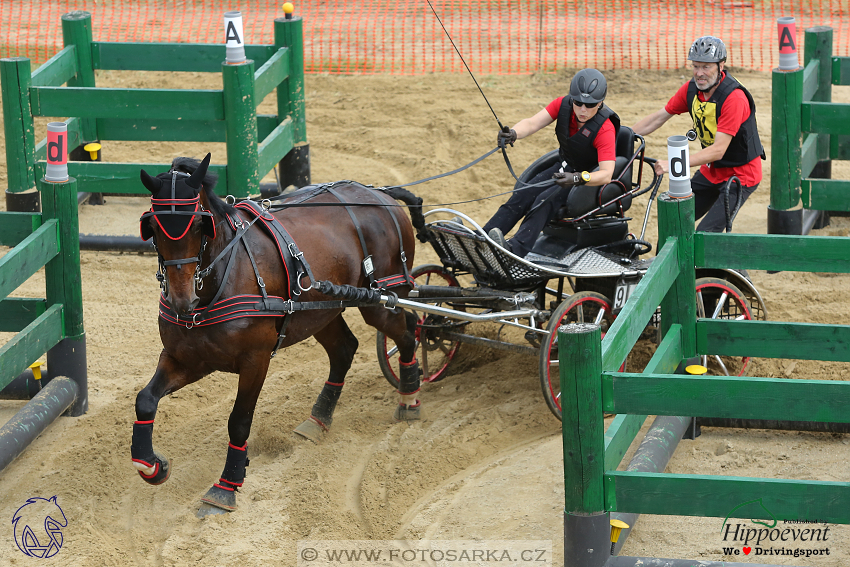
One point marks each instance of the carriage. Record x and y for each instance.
(581, 269)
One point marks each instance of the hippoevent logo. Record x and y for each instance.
(797, 538)
(38, 527)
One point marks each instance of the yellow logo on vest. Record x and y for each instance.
(705, 120)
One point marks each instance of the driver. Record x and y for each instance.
(724, 116)
(587, 134)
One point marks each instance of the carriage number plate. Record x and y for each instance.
(622, 293)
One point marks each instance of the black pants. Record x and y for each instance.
(542, 202)
(710, 202)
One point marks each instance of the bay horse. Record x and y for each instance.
(231, 277)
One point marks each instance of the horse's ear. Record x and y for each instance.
(198, 176)
(151, 183)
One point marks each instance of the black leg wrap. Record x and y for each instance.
(408, 386)
(223, 493)
(323, 409)
(141, 449)
(408, 378)
(142, 453)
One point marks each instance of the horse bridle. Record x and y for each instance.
(173, 202)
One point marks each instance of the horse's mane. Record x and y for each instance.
(217, 204)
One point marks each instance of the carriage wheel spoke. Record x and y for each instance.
(599, 317)
(723, 366)
(392, 351)
(721, 303)
(579, 313)
(446, 350)
(700, 305)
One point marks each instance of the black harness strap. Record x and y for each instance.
(260, 281)
(390, 281)
(285, 243)
(368, 265)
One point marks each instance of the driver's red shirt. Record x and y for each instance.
(605, 141)
(735, 110)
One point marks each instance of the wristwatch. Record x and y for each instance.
(585, 177)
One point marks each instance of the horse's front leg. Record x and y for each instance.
(252, 375)
(400, 326)
(340, 344)
(170, 376)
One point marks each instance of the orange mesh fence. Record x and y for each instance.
(405, 38)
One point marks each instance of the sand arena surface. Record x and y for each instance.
(484, 463)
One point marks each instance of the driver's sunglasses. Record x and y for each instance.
(586, 104)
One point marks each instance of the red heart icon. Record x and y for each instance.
(747, 550)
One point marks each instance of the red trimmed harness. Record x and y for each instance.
(264, 305)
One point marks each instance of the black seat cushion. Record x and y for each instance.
(584, 199)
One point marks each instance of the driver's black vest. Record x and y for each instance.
(578, 150)
(745, 145)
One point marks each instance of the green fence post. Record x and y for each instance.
(241, 128)
(77, 31)
(818, 44)
(19, 130)
(64, 286)
(783, 214)
(676, 219)
(586, 523)
(295, 166)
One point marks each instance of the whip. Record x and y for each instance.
(499, 122)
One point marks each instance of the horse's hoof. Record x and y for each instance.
(311, 429)
(161, 470)
(209, 510)
(404, 412)
(220, 498)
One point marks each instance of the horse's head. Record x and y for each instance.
(179, 225)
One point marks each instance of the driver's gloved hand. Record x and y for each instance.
(567, 179)
(505, 138)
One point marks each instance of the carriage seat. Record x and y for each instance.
(582, 199)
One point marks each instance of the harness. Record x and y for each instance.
(264, 305)
(368, 267)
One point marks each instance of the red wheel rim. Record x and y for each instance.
(748, 316)
(606, 307)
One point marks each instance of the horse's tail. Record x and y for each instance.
(414, 205)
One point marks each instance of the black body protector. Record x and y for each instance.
(745, 145)
(577, 150)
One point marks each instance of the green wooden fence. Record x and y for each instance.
(593, 486)
(255, 144)
(808, 131)
(52, 324)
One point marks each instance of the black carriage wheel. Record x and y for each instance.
(440, 352)
(719, 299)
(582, 307)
